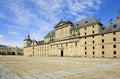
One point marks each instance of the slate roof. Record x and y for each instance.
(40, 42)
(85, 22)
(111, 27)
(51, 33)
(27, 39)
(2, 46)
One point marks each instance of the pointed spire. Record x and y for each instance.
(28, 35)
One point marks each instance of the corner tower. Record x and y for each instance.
(27, 41)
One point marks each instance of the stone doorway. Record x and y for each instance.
(62, 53)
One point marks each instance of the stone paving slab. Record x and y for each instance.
(7, 74)
(61, 74)
(29, 77)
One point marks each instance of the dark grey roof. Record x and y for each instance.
(51, 33)
(34, 40)
(2, 46)
(40, 42)
(27, 39)
(111, 27)
(86, 21)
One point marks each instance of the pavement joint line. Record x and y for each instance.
(6, 73)
(61, 74)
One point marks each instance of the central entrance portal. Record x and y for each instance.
(62, 54)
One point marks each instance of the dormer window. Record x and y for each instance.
(77, 24)
(86, 21)
(114, 26)
(103, 28)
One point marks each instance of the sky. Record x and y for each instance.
(17, 17)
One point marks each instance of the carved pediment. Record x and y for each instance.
(62, 23)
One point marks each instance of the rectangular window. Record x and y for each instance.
(93, 47)
(85, 33)
(85, 53)
(93, 42)
(103, 52)
(102, 40)
(114, 46)
(86, 21)
(102, 34)
(114, 52)
(103, 28)
(93, 32)
(114, 39)
(102, 47)
(93, 53)
(114, 26)
(76, 43)
(85, 48)
(114, 33)
(85, 42)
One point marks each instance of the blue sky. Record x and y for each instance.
(40, 16)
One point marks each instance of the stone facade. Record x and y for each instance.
(85, 38)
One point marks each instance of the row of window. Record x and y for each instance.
(114, 39)
(114, 52)
(114, 33)
(114, 46)
(66, 44)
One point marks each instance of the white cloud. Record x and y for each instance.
(1, 36)
(10, 42)
(14, 33)
(40, 16)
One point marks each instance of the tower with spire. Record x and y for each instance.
(27, 41)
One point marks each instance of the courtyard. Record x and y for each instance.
(24, 67)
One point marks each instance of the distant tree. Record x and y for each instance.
(9, 53)
(3, 53)
(19, 53)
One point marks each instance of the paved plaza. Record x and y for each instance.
(21, 67)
